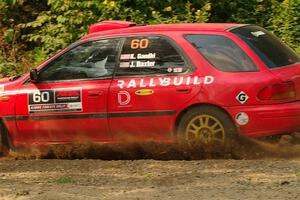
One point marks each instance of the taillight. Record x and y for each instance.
(278, 91)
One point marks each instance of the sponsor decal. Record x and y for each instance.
(175, 70)
(58, 100)
(164, 81)
(242, 97)
(257, 33)
(144, 92)
(124, 98)
(67, 96)
(242, 118)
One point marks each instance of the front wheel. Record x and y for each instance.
(206, 126)
(3, 145)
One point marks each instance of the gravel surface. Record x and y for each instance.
(150, 179)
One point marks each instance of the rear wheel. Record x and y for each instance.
(206, 126)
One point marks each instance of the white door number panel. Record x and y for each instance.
(58, 100)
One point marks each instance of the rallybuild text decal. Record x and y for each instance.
(58, 100)
(165, 81)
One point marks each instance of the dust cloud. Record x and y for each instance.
(240, 148)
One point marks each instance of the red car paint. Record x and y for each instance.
(146, 107)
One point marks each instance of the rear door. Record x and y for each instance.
(69, 103)
(153, 80)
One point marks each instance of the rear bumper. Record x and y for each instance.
(265, 120)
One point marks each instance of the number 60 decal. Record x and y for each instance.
(139, 44)
(43, 96)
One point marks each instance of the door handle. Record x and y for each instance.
(94, 93)
(183, 90)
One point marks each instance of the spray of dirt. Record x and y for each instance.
(240, 148)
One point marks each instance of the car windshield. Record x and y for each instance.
(269, 48)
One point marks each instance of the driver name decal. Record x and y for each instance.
(58, 100)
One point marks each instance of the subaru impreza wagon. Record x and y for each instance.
(200, 83)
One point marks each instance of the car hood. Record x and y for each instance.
(6, 84)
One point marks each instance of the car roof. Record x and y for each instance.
(165, 27)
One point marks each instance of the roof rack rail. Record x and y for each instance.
(109, 25)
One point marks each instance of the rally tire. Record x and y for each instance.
(206, 126)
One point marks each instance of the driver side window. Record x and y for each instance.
(90, 60)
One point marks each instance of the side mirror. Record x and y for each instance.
(33, 76)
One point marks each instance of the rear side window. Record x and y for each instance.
(222, 53)
(149, 55)
(270, 49)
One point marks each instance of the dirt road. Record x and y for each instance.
(263, 175)
(149, 179)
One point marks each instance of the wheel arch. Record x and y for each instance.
(193, 106)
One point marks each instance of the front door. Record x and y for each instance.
(69, 103)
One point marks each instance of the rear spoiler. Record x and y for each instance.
(109, 25)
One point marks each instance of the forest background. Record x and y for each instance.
(33, 30)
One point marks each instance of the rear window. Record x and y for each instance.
(222, 53)
(269, 48)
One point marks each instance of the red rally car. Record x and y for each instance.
(202, 83)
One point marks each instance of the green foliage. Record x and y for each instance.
(285, 23)
(243, 11)
(13, 59)
(16, 55)
(68, 20)
(31, 31)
